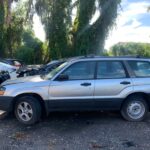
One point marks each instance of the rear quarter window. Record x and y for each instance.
(140, 68)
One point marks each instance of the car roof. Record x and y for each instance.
(93, 57)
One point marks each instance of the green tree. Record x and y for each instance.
(91, 38)
(13, 35)
(2, 32)
(67, 38)
(10, 28)
(56, 18)
(30, 45)
(130, 48)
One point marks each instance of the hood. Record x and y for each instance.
(23, 80)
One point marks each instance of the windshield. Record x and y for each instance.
(55, 71)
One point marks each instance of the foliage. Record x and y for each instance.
(13, 35)
(2, 21)
(26, 54)
(56, 18)
(130, 48)
(30, 45)
(11, 26)
(16, 37)
(65, 36)
(79, 37)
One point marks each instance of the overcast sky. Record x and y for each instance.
(133, 24)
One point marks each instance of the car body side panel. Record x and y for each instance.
(141, 85)
(66, 95)
(112, 88)
(71, 89)
(109, 93)
(37, 88)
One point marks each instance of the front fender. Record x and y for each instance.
(41, 91)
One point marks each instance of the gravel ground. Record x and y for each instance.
(76, 131)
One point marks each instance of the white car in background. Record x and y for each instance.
(11, 69)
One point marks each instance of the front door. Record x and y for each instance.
(76, 92)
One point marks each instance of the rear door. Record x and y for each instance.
(112, 81)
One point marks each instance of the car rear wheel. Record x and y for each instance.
(135, 108)
(28, 110)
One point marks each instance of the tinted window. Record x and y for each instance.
(110, 69)
(81, 70)
(140, 68)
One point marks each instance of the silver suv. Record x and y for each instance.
(84, 83)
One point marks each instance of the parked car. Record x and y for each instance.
(4, 75)
(86, 83)
(11, 70)
(14, 62)
(45, 69)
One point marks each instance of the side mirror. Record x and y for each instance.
(62, 77)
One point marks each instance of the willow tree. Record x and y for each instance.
(76, 37)
(90, 38)
(67, 36)
(9, 27)
(56, 17)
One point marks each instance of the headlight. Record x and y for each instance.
(2, 90)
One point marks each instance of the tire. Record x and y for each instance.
(135, 109)
(28, 110)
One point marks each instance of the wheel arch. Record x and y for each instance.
(146, 96)
(35, 95)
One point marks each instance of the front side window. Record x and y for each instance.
(110, 70)
(80, 71)
(140, 68)
(55, 71)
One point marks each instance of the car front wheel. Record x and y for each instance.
(28, 110)
(135, 108)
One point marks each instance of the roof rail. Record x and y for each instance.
(125, 56)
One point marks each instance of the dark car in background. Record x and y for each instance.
(44, 69)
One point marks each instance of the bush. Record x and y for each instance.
(26, 54)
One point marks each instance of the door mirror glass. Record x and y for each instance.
(62, 77)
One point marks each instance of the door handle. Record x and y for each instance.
(85, 84)
(125, 82)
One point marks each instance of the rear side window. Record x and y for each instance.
(81, 71)
(140, 68)
(110, 70)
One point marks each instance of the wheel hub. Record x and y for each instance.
(25, 111)
(136, 110)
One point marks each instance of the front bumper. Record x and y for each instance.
(6, 103)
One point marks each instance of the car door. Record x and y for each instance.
(111, 85)
(78, 91)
